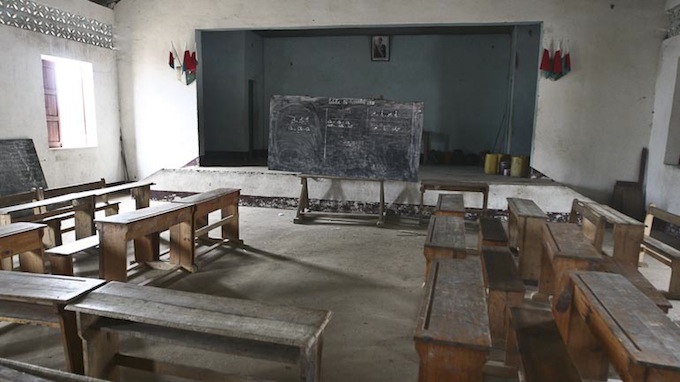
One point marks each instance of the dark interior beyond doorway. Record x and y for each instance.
(478, 84)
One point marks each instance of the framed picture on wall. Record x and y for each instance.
(380, 48)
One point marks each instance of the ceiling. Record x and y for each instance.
(106, 3)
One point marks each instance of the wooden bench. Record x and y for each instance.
(36, 299)
(61, 257)
(15, 371)
(491, 233)
(543, 356)
(452, 332)
(661, 251)
(525, 229)
(24, 239)
(450, 205)
(144, 227)
(224, 200)
(506, 289)
(442, 185)
(445, 239)
(606, 319)
(630, 272)
(592, 224)
(565, 248)
(19, 198)
(627, 233)
(227, 325)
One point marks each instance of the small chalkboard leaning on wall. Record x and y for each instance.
(20, 169)
(346, 137)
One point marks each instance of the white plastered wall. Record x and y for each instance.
(590, 125)
(22, 102)
(663, 181)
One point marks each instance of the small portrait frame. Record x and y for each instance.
(380, 48)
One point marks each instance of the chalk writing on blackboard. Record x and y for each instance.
(350, 137)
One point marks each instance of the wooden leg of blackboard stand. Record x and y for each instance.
(420, 208)
(381, 208)
(303, 203)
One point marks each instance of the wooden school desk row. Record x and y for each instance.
(185, 218)
(473, 303)
(92, 315)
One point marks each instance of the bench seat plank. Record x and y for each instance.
(33, 373)
(45, 289)
(634, 332)
(492, 232)
(75, 246)
(207, 314)
(666, 250)
(445, 232)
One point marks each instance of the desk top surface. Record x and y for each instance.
(17, 228)
(208, 195)
(453, 310)
(68, 198)
(446, 232)
(567, 240)
(34, 287)
(525, 208)
(202, 313)
(647, 334)
(143, 213)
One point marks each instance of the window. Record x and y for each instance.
(69, 103)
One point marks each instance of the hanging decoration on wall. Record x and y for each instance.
(555, 64)
(185, 66)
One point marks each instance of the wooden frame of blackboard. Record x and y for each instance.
(380, 48)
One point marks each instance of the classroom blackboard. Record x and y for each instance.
(19, 167)
(348, 137)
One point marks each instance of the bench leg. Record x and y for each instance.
(6, 264)
(231, 229)
(147, 248)
(61, 265)
(182, 245)
(100, 349)
(32, 261)
(52, 234)
(111, 210)
(674, 286)
(73, 346)
(112, 254)
(310, 362)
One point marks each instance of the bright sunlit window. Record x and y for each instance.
(69, 103)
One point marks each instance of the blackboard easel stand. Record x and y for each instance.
(303, 215)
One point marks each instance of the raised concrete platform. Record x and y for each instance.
(551, 196)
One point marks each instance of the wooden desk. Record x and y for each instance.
(303, 215)
(144, 227)
(628, 233)
(441, 185)
(223, 199)
(82, 204)
(525, 226)
(450, 205)
(445, 239)
(24, 239)
(452, 335)
(29, 298)
(640, 341)
(565, 248)
(227, 325)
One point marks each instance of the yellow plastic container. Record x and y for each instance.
(519, 166)
(491, 164)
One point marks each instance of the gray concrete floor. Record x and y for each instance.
(370, 278)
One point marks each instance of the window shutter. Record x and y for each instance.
(51, 106)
